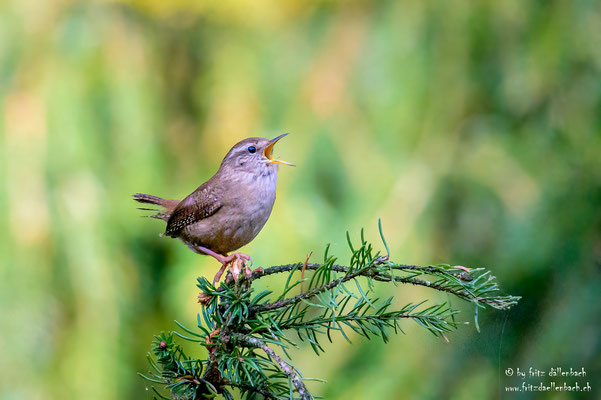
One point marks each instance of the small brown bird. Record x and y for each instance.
(230, 209)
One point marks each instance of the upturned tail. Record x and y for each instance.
(168, 205)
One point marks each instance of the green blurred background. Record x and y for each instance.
(471, 128)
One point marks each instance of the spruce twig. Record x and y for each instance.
(239, 328)
(250, 341)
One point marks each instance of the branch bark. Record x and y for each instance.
(263, 392)
(299, 385)
(310, 293)
(367, 272)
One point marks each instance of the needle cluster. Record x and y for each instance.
(247, 333)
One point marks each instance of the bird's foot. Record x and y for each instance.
(218, 274)
(238, 256)
(238, 263)
(236, 266)
(235, 262)
(248, 272)
(203, 250)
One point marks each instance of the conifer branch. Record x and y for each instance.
(249, 341)
(267, 395)
(313, 292)
(455, 281)
(240, 328)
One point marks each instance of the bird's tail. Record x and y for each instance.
(168, 205)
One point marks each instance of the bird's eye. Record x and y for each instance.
(252, 149)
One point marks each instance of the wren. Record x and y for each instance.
(230, 209)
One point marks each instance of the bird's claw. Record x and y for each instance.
(236, 267)
(248, 272)
(242, 256)
(235, 263)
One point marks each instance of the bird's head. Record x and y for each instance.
(253, 155)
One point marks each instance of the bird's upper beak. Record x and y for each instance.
(267, 151)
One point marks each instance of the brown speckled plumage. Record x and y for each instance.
(199, 205)
(229, 210)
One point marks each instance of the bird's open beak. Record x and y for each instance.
(267, 152)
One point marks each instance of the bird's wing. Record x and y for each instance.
(201, 204)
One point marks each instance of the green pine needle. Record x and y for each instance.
(240, 328)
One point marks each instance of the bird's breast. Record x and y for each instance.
(246, 208)
(249, 211)
(256, 200)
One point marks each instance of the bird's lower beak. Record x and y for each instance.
(267, 151)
